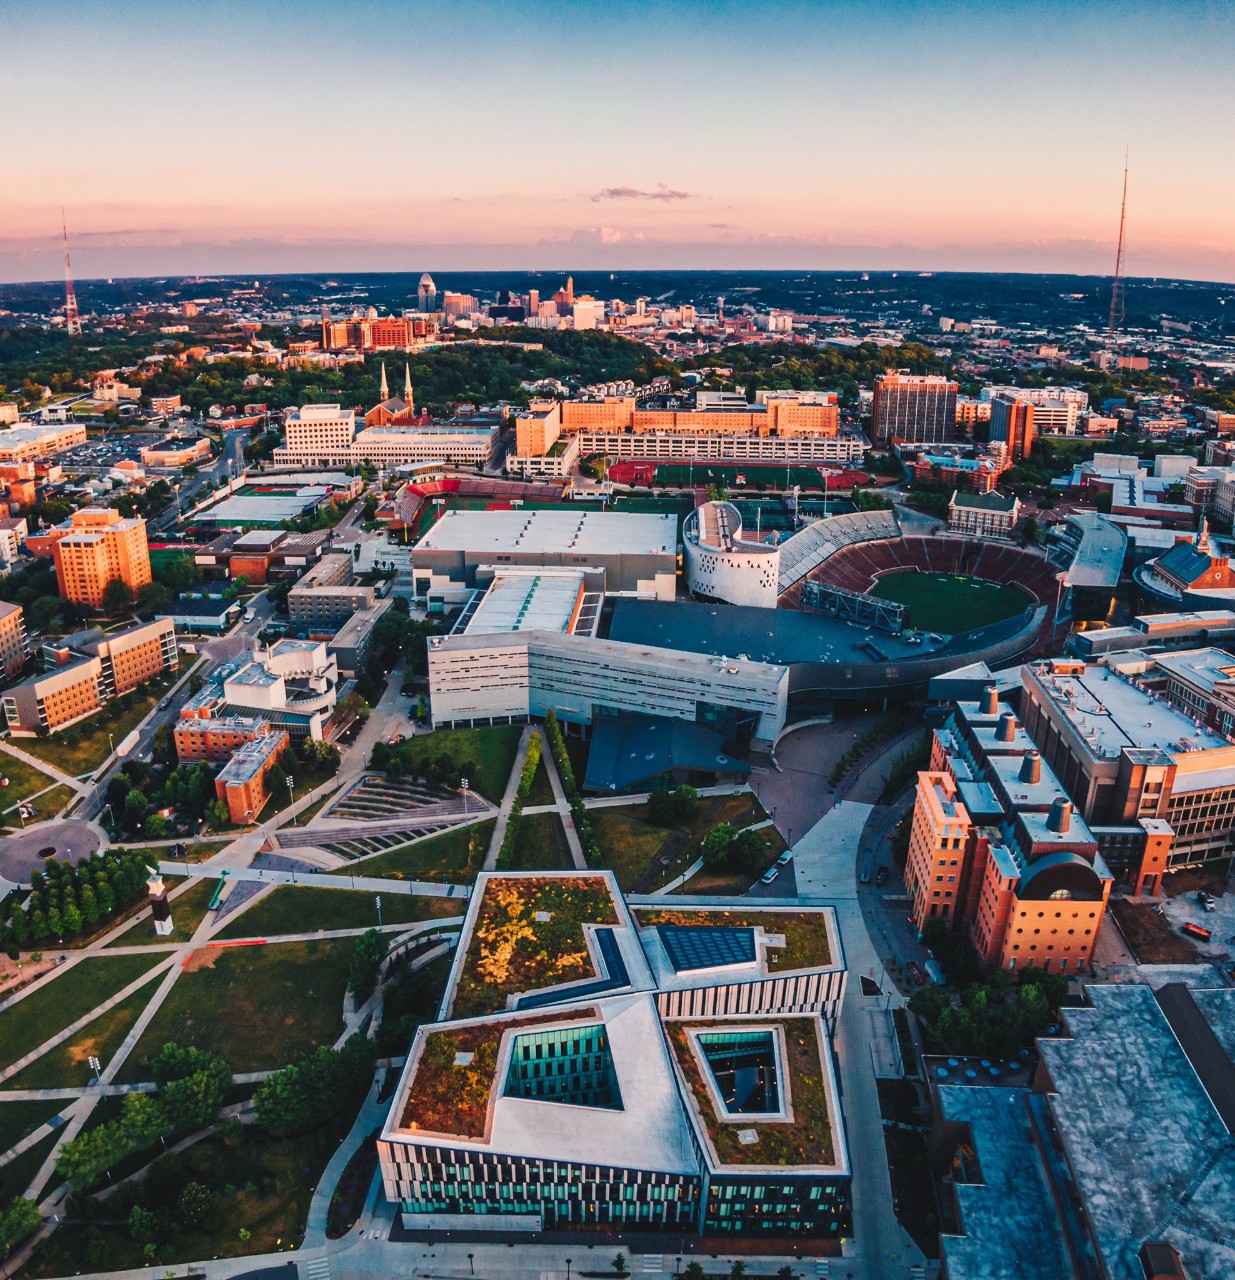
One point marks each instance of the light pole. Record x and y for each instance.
(471, 1266)
(377, 902)
(291, 796)
(465, 782)
(567, 1269)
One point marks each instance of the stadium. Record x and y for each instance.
(866, 612)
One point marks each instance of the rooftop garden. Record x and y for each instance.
(805, 932)
(805, 1140)
(452, 1097)
(529, 935)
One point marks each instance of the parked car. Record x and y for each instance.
(785, 859)
(914, 970)
(769, 875)
(881, 877)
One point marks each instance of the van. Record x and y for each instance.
(935, 973)
(249, 615)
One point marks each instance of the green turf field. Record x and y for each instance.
(943, 603)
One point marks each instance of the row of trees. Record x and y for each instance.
(506, 854)
(570, 784)
(66, 901)
(192, 1084)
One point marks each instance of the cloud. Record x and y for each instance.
(662, 192)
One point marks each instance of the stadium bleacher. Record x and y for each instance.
(810, 547)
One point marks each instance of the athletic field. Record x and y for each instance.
(947, 604)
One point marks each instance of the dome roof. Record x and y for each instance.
(426, 281)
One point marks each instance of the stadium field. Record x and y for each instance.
(947, 604)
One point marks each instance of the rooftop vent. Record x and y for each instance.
(1007, 727)
(1031, 767)
(990, 700)
(1060, 818)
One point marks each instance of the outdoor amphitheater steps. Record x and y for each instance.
(327, 831)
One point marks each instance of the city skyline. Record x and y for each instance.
(964, 136)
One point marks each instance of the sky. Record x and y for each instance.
(208, 136)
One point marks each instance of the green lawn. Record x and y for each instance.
(91, 747)
(66, 998)
(441, 857)
(188, 911)
(627, 842)
(255, 1007)
(541, 844)
(17, 1175)
(947, 604)
(630, 843)
(264, 1185)
(22, 780)
(297, 909)
(67, 1065)
(20, 1119)
(484, 756)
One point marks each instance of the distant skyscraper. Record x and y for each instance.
(1012, 424)
(426, 295)
(919, 409)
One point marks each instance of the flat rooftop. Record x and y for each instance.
(1006, 1200)
(266, 509)
(529, 602)
(573, 532)
(780, 636)
(1139, 1130)
(1110, 713)
(1203, 667)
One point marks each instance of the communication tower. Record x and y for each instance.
(72, 321)
(1117, 286)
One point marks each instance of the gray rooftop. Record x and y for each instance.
(577, 532)
(1012, 1206)
(1099, 554)
(1111, 713)
(1140, 1132)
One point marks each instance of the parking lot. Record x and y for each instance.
(1185, 909)
(104, 452)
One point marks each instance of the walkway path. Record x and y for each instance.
(561, 806)
(508, 798)
(67, 779)
(825, 864)
(316, 879)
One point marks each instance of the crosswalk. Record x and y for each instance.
(317, 1269)
(653, 1263)
(822, 1267)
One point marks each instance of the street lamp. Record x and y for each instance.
(465, 782)
(567, 1269)
(471, 1267)
(291, 796)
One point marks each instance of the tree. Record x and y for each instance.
(619, 1263)
(196, 1203)
(135, 809)
(194, 1101)
(142, 1119)
(143, 1225)
(365, 966)
(694, 1271)
(714, 847)
(117, 598)
(17, 1220)
(164, 748)
(89, 905)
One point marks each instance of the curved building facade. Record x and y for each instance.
(723, 565)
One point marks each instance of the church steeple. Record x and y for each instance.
(385, 389)
(407, 385)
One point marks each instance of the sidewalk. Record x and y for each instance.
(508, 798)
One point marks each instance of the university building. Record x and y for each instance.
(669, 1070)
(86, 670)
(998, 853)
(916, 408)
(97, 546)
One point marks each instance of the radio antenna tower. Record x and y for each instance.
(72, 321)
(1117, 287)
